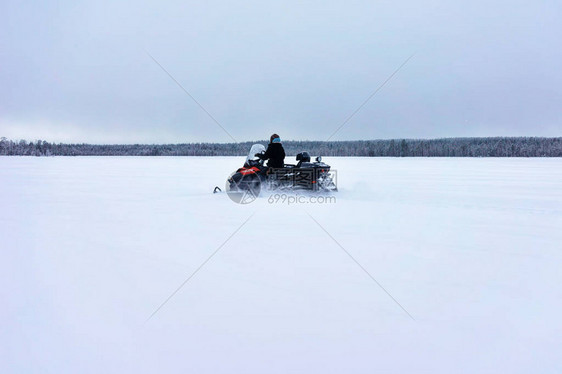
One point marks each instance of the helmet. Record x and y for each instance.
(303, 156)
(275, 139)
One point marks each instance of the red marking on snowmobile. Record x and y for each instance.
(251, 170)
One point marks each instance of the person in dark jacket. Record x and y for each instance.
(275, 154)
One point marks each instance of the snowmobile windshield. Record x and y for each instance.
(256, 148)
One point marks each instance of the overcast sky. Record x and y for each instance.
(79, 71)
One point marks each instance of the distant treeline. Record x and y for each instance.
(449, 147)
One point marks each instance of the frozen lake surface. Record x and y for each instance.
(468, 250)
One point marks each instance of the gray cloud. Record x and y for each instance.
(79, 72)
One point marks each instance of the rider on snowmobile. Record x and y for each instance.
(274, 153)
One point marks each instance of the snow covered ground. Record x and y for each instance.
(91, 247)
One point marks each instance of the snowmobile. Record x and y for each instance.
(304, 175)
